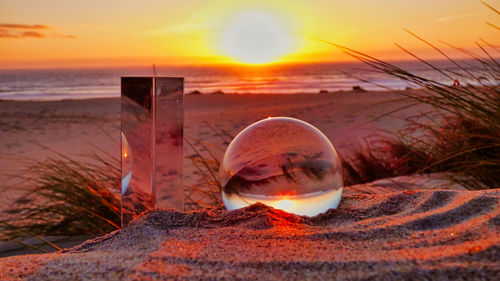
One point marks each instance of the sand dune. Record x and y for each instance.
(410, 235)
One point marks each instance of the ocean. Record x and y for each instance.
(85, 83)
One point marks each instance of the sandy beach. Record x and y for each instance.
(101, 178)
(36, 130)
(387, 230)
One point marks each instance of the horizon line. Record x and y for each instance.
(94, 64)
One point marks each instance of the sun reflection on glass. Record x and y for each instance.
(283, 204)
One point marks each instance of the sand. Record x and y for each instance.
(410, 235)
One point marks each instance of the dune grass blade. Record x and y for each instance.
(460, 136)
(44, 241)
(206, 192)
(66, 197)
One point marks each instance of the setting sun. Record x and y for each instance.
(256, 38)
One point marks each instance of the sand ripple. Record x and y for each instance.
(409, 235)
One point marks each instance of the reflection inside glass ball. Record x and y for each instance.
(284, 163)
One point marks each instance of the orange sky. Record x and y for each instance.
(55, 33)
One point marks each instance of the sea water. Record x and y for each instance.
(84, 83)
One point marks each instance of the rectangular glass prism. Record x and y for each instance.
(152, 144)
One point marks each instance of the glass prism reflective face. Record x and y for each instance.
(152, 154)
(126, 164)
(284, 163)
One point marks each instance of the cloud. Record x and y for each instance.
(26, 34)
(24, 26)
(12, 30)
(34, 34)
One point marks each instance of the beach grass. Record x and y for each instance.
(459, 136)
(204, 157)
(65, 197)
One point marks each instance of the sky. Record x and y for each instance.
(61, 33)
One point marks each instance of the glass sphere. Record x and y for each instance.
(284, 163)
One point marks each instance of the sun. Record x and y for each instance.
(256, 38)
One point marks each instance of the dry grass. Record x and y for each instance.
(66, 197)
(204, 157)
(460, 135)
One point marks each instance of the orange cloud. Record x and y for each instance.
(24, 26)
(11, 30)
(34, 34)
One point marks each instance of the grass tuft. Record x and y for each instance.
(459, 136)
(66, 197)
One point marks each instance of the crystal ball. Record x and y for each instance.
(284, 163)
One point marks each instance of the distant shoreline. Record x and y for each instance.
(217, 93)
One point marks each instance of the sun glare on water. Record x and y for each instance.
(256, 38)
